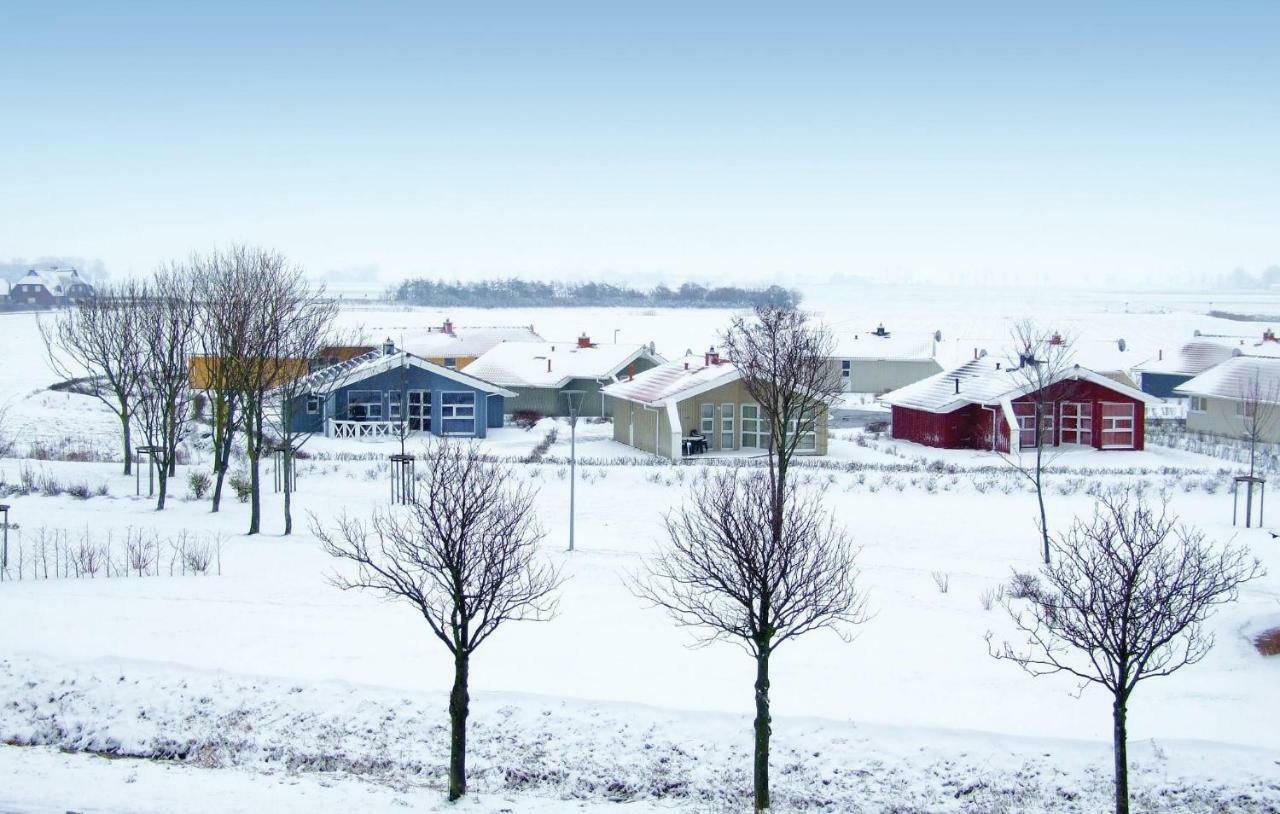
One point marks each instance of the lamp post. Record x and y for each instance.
(4, 550)
(574, 399)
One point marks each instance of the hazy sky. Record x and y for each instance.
(688, 140)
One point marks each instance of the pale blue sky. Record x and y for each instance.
(938, 141)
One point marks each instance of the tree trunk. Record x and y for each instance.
(459, 706)
(1044, 519)
(288, 493)
(162, 477)
(763, 731)
(1121, 748)
(253, 446)
(128, 443)
(221, 461)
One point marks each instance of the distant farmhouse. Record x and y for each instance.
(546, 375)
(694, 404)
(879, 361)
(456, 347)
(378, 393)
(982, 404)
(1239, 395)
(49, 288)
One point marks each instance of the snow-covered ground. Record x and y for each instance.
(283, 693)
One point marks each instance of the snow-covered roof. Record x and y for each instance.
(466, 341)
(873, 347)
(1192, 358)
(1105, 356)
(673, 381)
(553, 364)
(56, 280)
(987, 380)
(1236, 379)
(370, 364)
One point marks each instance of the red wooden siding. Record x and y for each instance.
(970, 427)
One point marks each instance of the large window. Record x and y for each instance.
(458, 413)
(1117, 425)
(807, 430)
(726, 426)
(313, 404)
(1077, 423)
(1028, 437)
(754, 435)
(707, 422)
(1246, 408)
(419, 410)
(1199, 404)
(364, 405)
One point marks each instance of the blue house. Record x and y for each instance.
(377, 394)
(1160, 376)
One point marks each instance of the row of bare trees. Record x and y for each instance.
(753, 560)
(242, 324)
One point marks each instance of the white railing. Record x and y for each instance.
(363, 429)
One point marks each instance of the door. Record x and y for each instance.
(1117, 425)
(1077, 423)
(419, 411)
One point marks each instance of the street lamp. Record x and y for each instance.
(4, 551)
(574, 398)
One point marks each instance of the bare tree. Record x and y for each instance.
(726, 570)
(1125, 601)
(1259, 407)
(166, 330)
(464, 554)
(786, 367)
(98, 337)
(307, 331)
(224, 283)
(1041, 369)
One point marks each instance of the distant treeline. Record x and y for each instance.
(533, 294)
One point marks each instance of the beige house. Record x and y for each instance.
(878, 361)
(1234, 397)
(673, 408)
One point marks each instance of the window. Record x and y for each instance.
(1199, 404)
(420, 410)
(451, 362)
(753, 436)
(807, 430)
(458, 413)
(313, 404)
(1077, 423)
(393, 407)
(1246, 409)
(364, 405)
(707, 425)
(845, 368)
(1027, 424)
(726, 426)
(1117, 425)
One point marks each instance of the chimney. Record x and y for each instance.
(1056, 339)
(447, 327)
(712, 358)
(548, 364)
(1269, 336)
(388, 347)
(584, 341)
(997, 365)
(975, 353)
(686, 365)
(1160, 354)
(957, 381)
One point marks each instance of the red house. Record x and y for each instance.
(983, 404)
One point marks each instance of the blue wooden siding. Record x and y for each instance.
(1161, 384)
(394, 386)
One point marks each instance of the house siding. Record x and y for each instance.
(391, 384)
(552, 401)
(879, 376)
(1161, 385)
(1220, 417)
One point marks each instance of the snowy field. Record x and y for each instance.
(264, 688)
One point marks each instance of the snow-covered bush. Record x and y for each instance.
(198, 484)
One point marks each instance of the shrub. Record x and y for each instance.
(239, 483)
(877, 427)
(198, 403)
(198, 484)
(1024, 585)
(943, 580)
(991, 597)
(49, 486)
(525, 419)
(80, 490)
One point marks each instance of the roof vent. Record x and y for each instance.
(957, 381)
(388, 347)
(712, 358)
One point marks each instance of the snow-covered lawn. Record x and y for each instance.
(296, 696)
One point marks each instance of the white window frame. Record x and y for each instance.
(809, 439)
(372, 409)
(1246, 409)
(846, 368)
(423, 405)
(758, 438)
(707, 413)
(450, 412)
(313, 404)
(1081, 423)
(1113, 424)
(1199, 404)
(727, 425)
